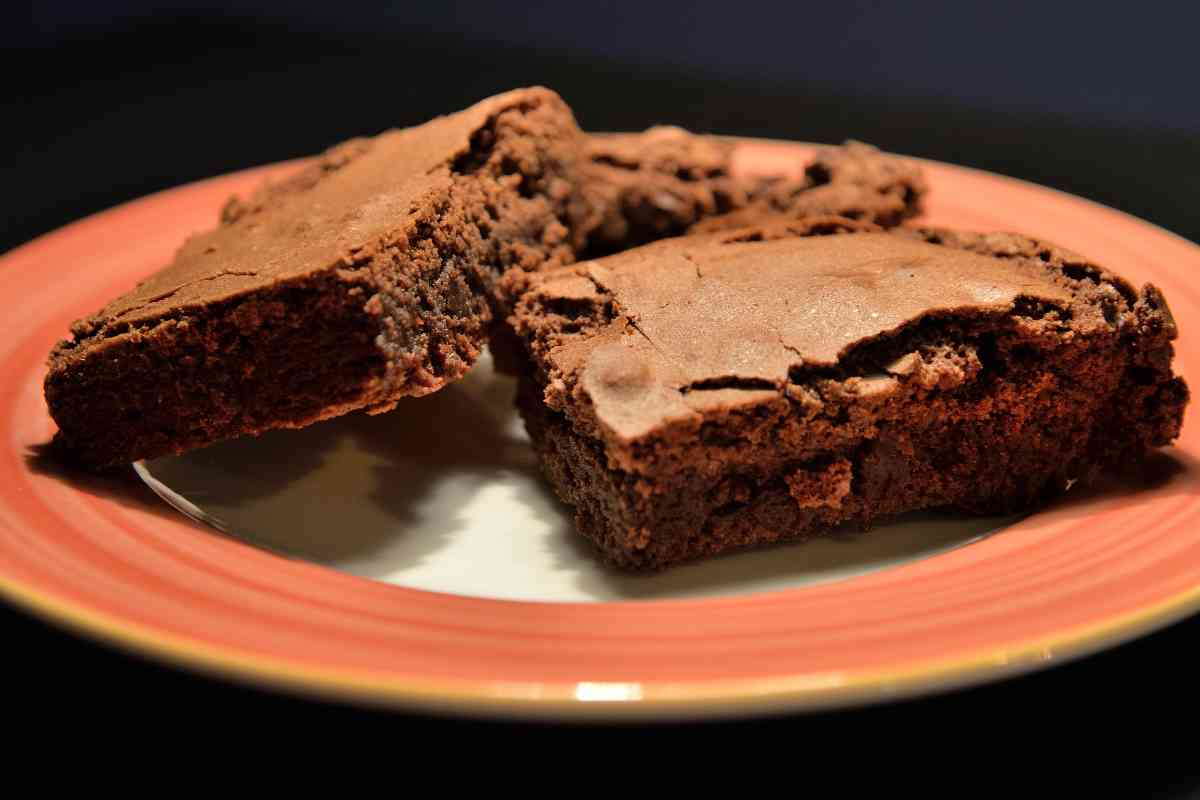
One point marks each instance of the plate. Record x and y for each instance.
(447, 497)
(415, 560)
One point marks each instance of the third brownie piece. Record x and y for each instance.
(665, 181)
(714, 392)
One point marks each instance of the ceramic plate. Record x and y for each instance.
(415, 559)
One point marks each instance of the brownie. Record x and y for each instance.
(854, 180)
(376, 273)
(365, 278)
(741, 388)
(665, 182)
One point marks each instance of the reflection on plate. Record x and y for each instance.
(443, 494)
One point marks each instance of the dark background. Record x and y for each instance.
(110, 100)
(104, 102)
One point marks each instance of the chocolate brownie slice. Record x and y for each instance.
(363, 279)
(715, 392)
(665, 181)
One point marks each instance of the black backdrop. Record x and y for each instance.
(107, 102)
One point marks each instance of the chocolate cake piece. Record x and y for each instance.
(715, 392)
(665, 181)
(361, 280)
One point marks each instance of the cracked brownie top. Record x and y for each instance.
(634, 346)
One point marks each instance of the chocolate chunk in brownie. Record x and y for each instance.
(665, 182)
(363, 279)
(715, 392)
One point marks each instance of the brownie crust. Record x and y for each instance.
(764, 385)
(366, 278)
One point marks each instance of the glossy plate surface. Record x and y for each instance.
(455, 586)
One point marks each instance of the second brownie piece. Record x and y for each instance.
(715, 392)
